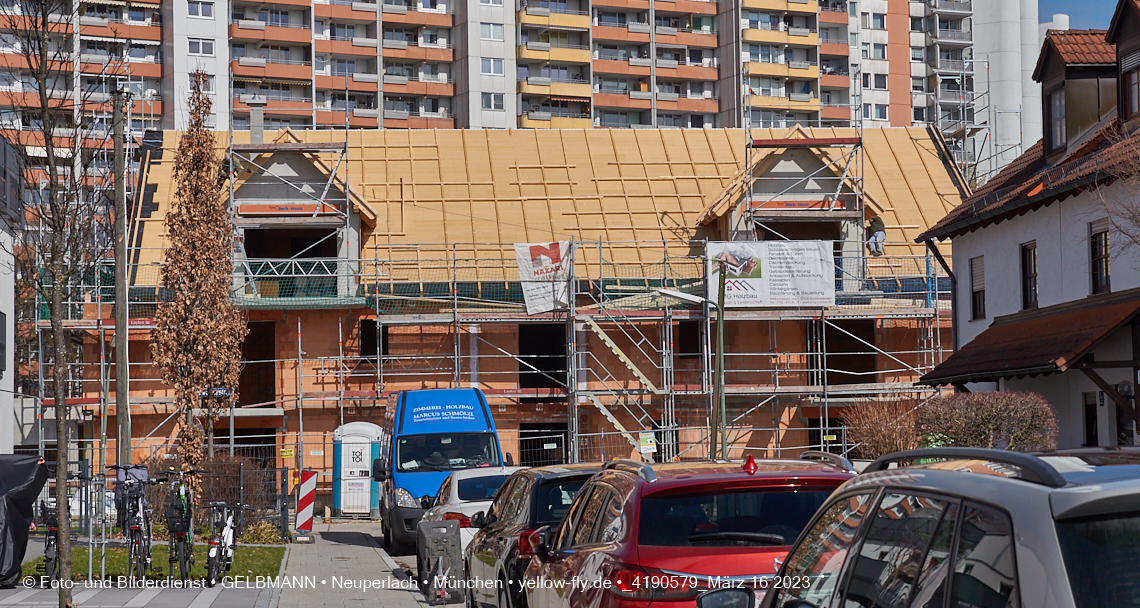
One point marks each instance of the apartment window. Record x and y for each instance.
(880, 81)
(918, 85)
(977, 288)
(201, 46)
(492, 67)
(880, 111)
(1131, 82)
(865, 20)
(492, 101)
(491, 31)
(865, 50)
(920, 115)
(207, 85)
(199, 9)
(613, 19)
(917, 53)
(854, 38)
(1029, 275)
(916, 24)
(867, 81)
(138, 15)
(852, 8)
(1055, 108)
(879, 21)
(491, 2)
(1098, 242)
(866, 110)
(880, 51)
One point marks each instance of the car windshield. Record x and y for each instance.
(1101, 553)
(754, 517)
(446, 451)
(552, 500)
(480, 488)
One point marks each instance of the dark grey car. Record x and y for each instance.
(973, 528)
(500, 551)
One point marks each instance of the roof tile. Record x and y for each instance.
(1083, 46)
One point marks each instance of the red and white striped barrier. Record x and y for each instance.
(305, 497)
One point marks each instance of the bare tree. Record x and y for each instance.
(882, 427)
(197, 341)
(1004, 420)
(1119, 190)
(66, 214)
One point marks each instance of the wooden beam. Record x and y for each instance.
(1121, 401)
(807, 142)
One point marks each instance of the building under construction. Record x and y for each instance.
(375, 261)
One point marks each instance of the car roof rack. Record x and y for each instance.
(1033, 469)
(833, 459)
(641, 469)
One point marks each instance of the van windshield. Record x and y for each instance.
(446, 452)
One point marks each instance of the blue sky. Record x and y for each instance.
(1083, 14)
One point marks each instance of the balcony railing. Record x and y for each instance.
(959, 35)
(951, 5)
(295, 26)
(273, 96)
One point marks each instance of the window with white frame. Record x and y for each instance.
(491, 31)
(201, 46)
(207, 85)
(917, 53)
(880, 111)
(491, 66)
(196, 8)
(880, 51)
(493, 101)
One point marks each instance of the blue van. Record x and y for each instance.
(426, 435)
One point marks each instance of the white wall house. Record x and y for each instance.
(1047, 289)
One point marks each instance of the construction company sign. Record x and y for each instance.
(774, 273)
(544, 270)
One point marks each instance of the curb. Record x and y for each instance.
(389, 563)
(271, 597)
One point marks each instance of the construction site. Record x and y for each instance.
(370, 262)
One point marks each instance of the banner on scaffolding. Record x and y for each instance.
(774, 273)
(544, 270)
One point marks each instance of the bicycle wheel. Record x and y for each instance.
(183, 559)
(212, 567)
(50, 562)
(137, 541)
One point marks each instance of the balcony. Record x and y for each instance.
(947, 35)
(948, 95)
(257, 281)
(951, 6)
(555, 17)
(957, 66)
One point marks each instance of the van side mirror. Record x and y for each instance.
(426, 501)
(540, 541)
(379, 473)
(728, 597)
(510, 460)
(477, 520)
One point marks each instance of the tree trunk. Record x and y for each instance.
(62, 423)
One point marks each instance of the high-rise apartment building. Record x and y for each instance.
(543, 63)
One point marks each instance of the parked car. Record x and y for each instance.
(662, 533)
(500, 550)
(465, 493)
(974, 527)
(426, 435)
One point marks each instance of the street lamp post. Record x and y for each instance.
(721, 425)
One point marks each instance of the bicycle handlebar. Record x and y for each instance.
(124, 467)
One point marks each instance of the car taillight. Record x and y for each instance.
(523, 543)
(213, 543)
(464, 521)
(652, 585)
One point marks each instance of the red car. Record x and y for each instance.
(638, 534)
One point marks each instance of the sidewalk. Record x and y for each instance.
(342, 560)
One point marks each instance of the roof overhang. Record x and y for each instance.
(1036, 342)
(1118, 18)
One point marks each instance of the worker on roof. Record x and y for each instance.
(877, 233)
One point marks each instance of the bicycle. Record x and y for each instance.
(51, 542)
(221, 555)
(180, 522)
(134, 518)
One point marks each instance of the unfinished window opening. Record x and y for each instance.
(368, 339)
(851, 358)
(256, 384)
(687, 340)
(542, 346)
(542, 443)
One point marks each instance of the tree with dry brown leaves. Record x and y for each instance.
(197, 341)
(1119, 192)
(1003, 420)
(881, 427)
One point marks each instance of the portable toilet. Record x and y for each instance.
(355, 446)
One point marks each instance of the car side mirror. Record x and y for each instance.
(510, 460)
(728, 597)
(540, 541)
(379, 473)
(426, 501)
(477, 520)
